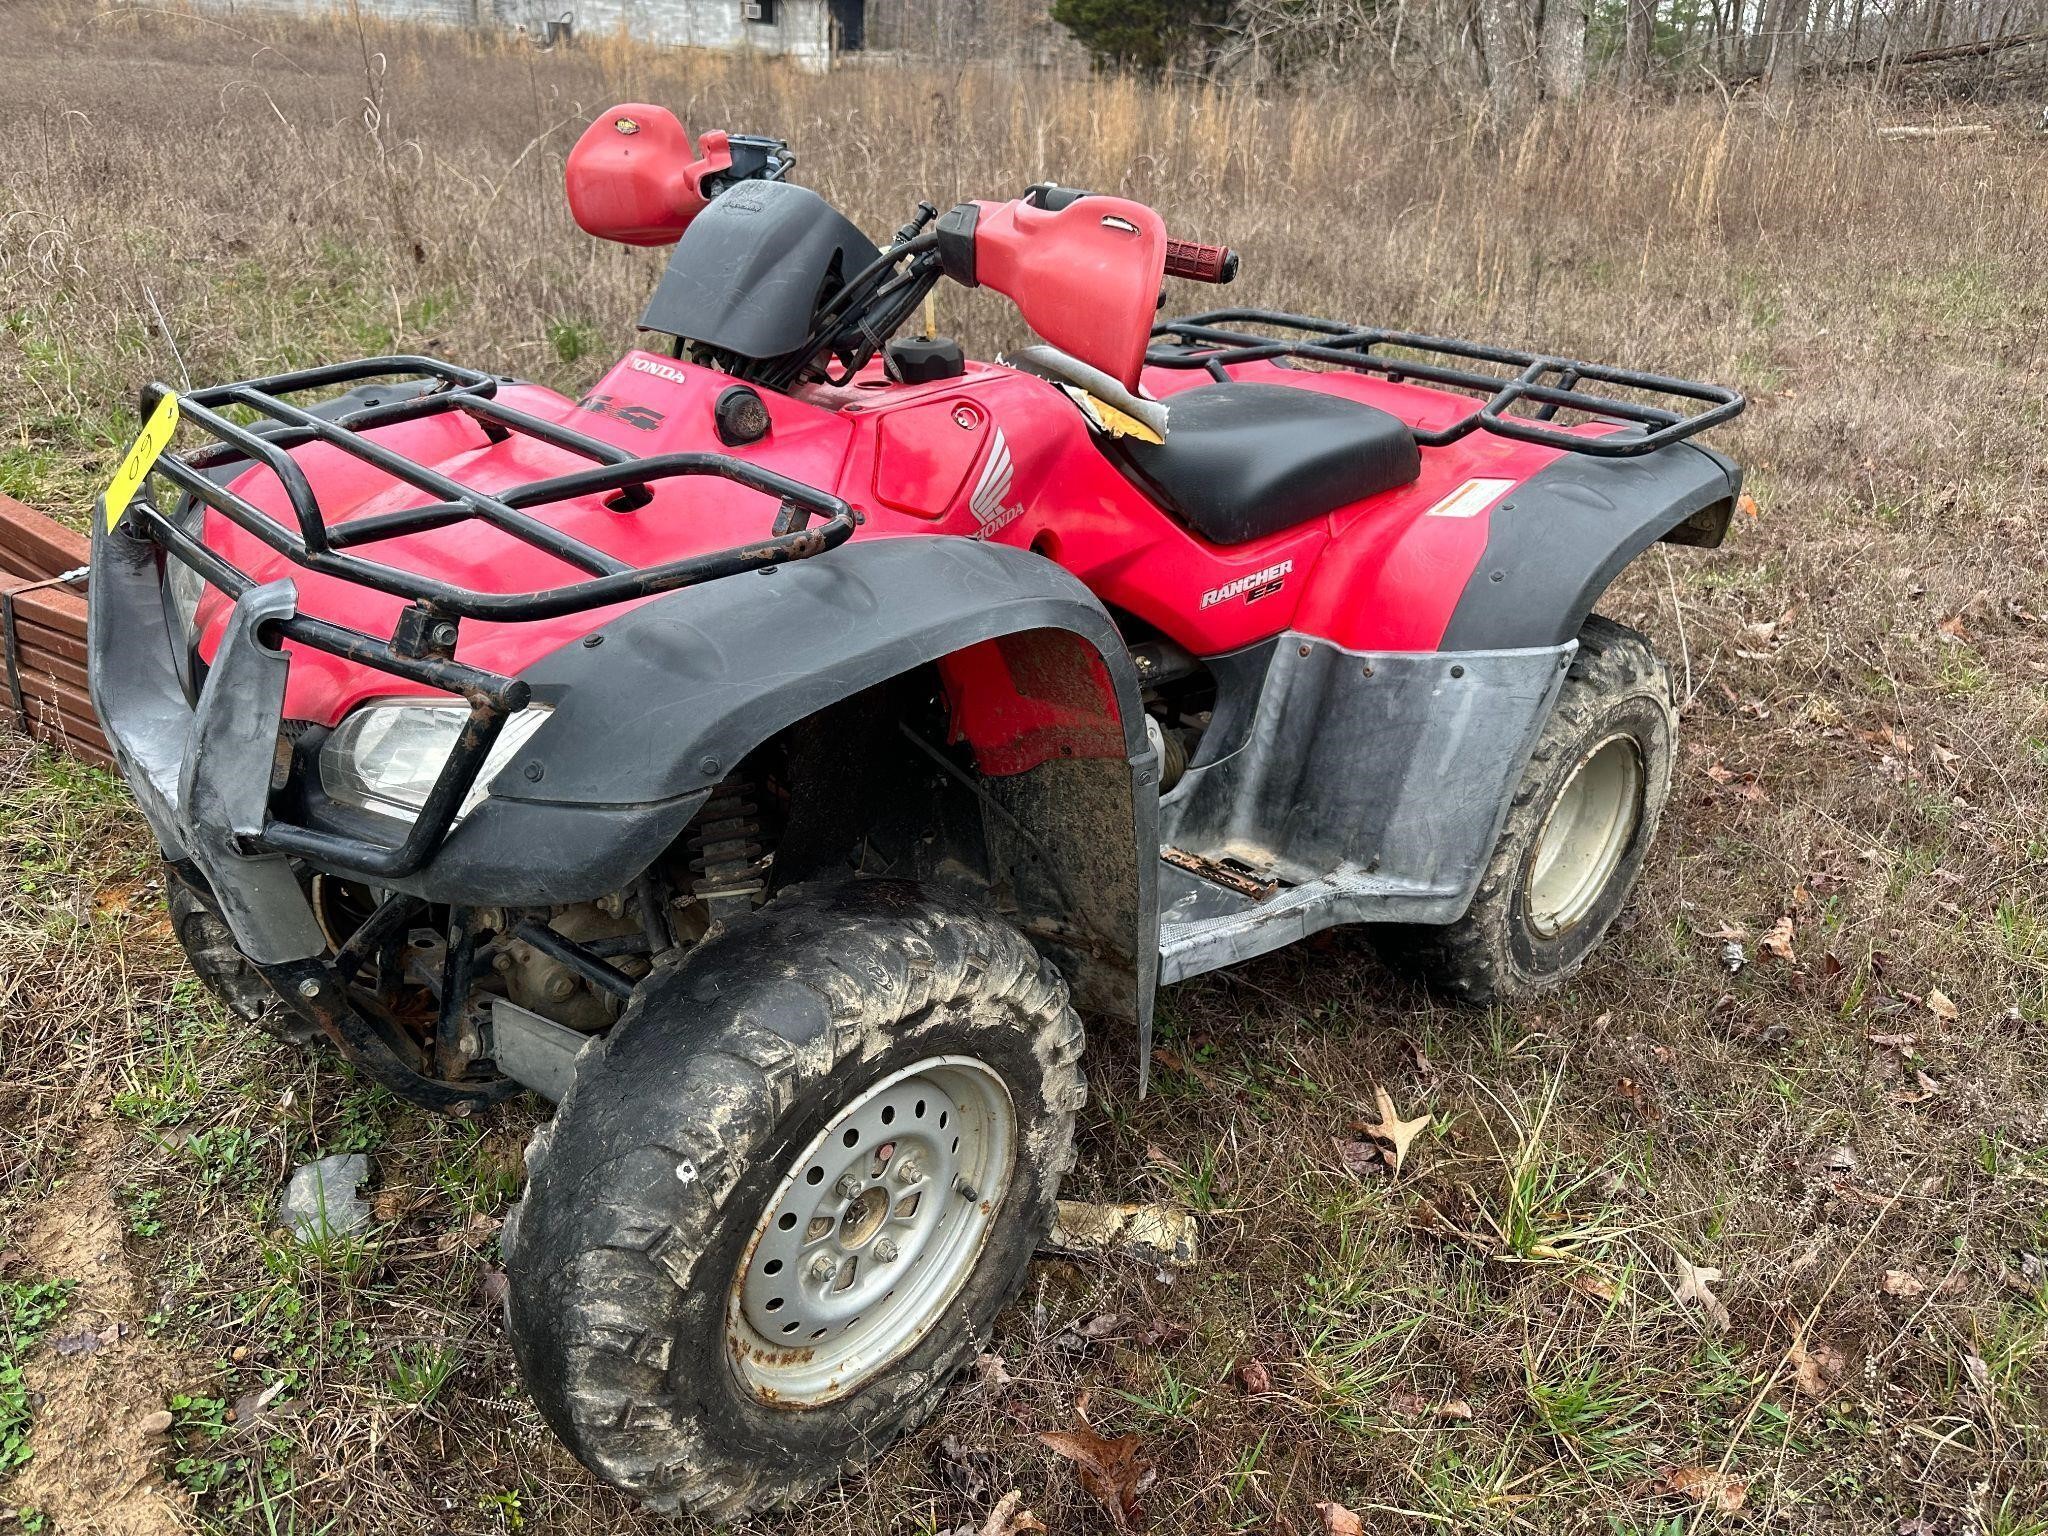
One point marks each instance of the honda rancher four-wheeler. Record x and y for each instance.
(766, 755)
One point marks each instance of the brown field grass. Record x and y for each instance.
(1852, 1130)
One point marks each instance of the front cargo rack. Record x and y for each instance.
(1215, 340)
(421, 648)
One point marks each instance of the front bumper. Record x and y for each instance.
(201, 772)
(202, 775)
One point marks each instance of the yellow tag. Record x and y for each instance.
(154, 438)
(1118, 424)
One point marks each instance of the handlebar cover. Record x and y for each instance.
(1202, 263)
(1084, 276)
(633, 178)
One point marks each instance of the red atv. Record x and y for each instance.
(765, 755)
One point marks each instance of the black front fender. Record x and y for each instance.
(1561, 538)
(680, 689)
(674, 694)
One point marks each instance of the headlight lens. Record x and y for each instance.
(183, 586)
(386, 757)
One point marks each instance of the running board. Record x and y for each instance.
(1206, 923)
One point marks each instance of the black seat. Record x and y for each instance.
(1241, 461)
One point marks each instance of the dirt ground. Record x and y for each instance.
(96, 1452)
(1745, 1230)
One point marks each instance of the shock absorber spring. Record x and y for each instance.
(726, 847)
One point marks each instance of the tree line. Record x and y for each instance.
(1521, 51)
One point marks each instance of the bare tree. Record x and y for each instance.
(1638, 40)
(1563, 47)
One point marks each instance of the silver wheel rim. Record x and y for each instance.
(1585, 836)
(873, 1232)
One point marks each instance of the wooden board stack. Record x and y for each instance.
(42, 632)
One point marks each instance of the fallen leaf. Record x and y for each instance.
(1361, 1159)
(1115, 1471)
(965, 1469)
(1254, 1377)
(1815, 1371)
(1705, 1486)
(1778, 941)
(1406, 1401)
(1978, 1372)
(250, 1407)
(1456, 1408)
(1010, 1517)
(76, 1343)
(1339, 1521)
(1902, 1283)
(1903, 1044)
(1694, 1286)
(497, 1288)
(1595, 1287)
(1928, 1089)
(1093, 1329)
(991, 1372)
(1939, 1005)
(1424, 1067)
(1392, 1129)
(1164, 1333)
(390, 1205)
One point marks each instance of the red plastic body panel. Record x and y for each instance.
(633, 178)
(996, 454)
(1086, 277)
(1028, 699)
(924, 454)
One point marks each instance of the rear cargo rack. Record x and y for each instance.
(421, 648)
(1215, 341)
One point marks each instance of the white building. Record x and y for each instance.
(807, 31)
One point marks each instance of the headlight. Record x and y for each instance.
(183, 586)
(386, 757)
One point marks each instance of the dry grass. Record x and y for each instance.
(1867, 727)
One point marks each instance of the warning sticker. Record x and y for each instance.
(1470, 499)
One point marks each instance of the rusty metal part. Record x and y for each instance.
(382, 1048)
(1221, 872)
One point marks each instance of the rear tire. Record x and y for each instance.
(749, 1080)
(1576, 835)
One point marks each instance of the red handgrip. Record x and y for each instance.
(1203, 263)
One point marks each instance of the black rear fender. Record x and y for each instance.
(1559, 540)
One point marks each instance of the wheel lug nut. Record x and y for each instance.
(908, 1170)
(824, 1267)
(848, 1188)
(885, 1252)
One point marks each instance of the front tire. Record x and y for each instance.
(669, 1306)
(218, 961)
(1575, 839)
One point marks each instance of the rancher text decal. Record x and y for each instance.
(1251, 588)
